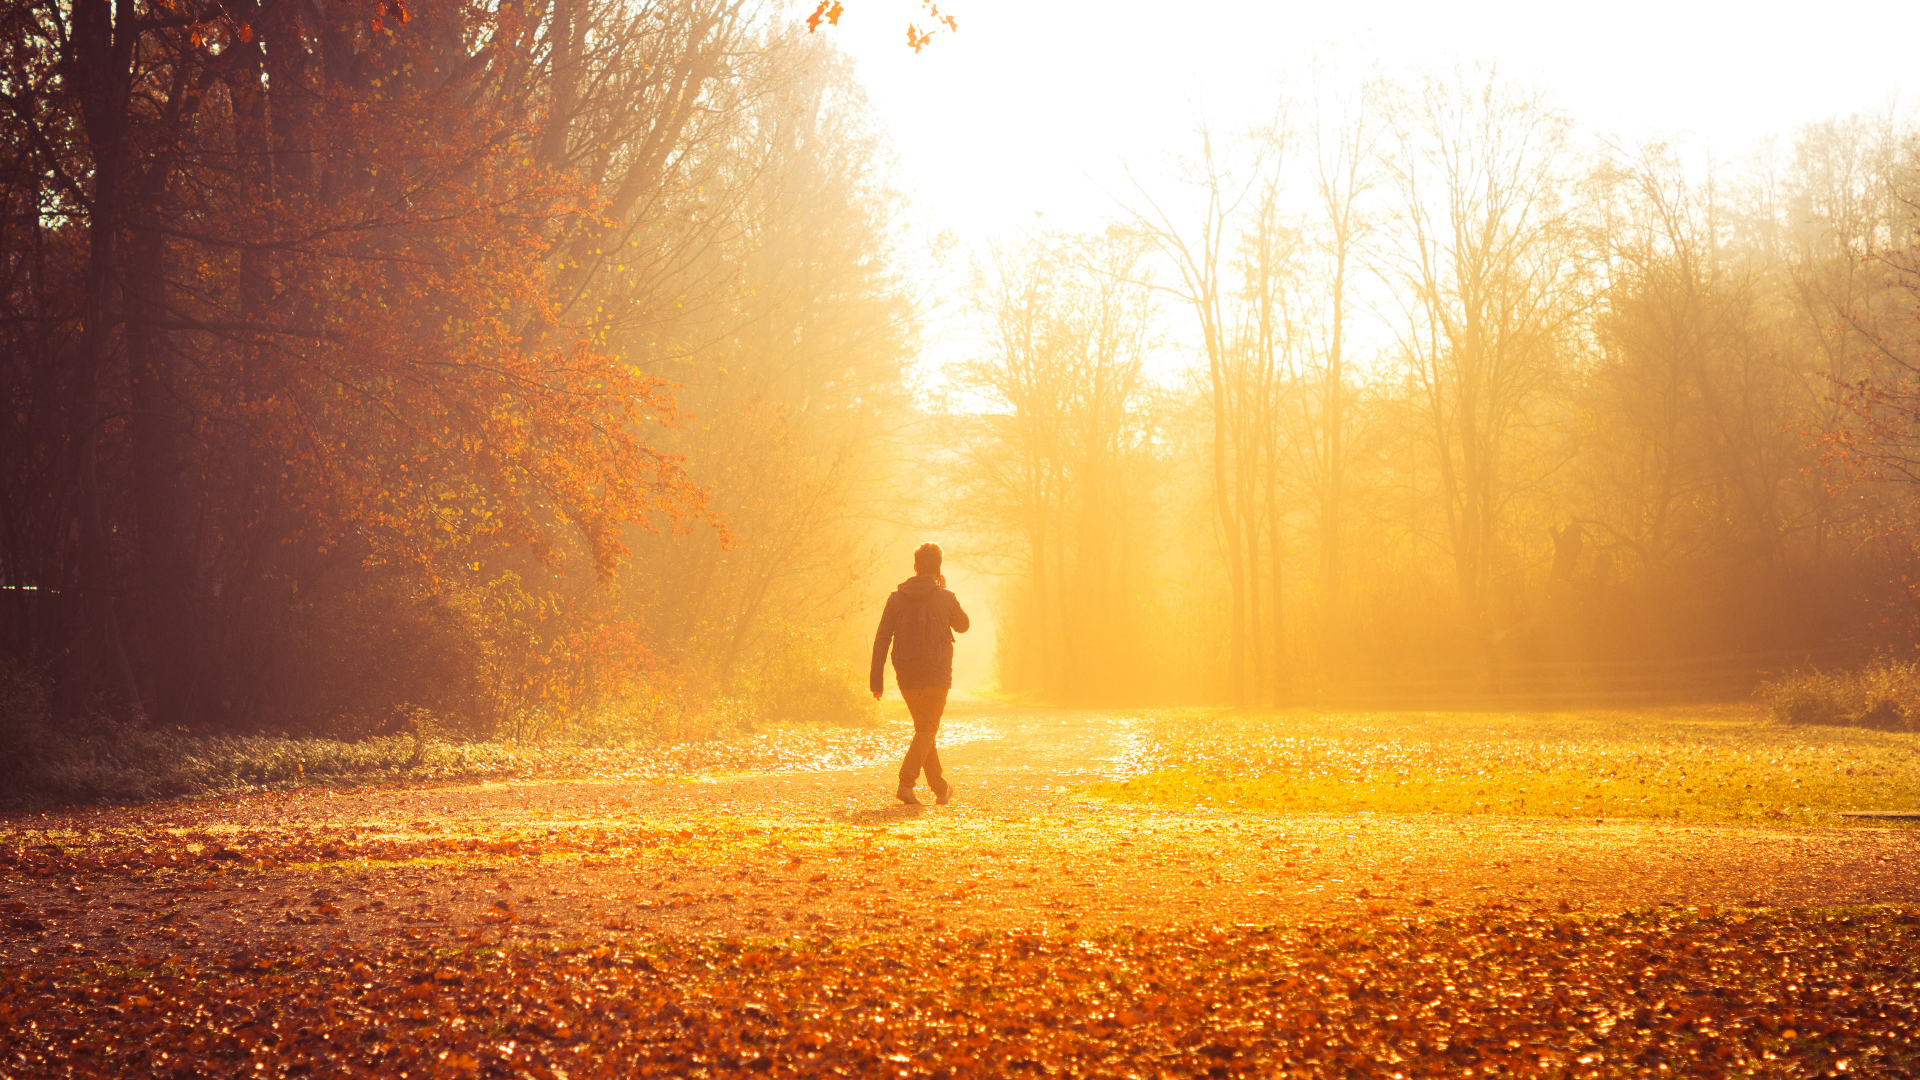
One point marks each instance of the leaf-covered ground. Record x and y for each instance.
(779, 914)
(1789, 994)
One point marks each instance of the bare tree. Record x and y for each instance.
(1052, 428)
(1487, 272)
(1200, 251)
(1346, 159)
(1697, 450)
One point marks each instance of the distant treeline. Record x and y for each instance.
(398, 364)
(1471, 409)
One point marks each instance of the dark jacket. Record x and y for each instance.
(918, 623)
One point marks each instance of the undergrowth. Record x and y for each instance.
(1883, 696)
(44, 762)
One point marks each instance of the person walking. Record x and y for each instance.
(918, 624)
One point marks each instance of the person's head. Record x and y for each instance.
(926, 559)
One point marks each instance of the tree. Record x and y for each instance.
(1487, 278)
(1199, 254)
(779, 317)
(1697, 442)
(830, 11)
(318, 332)
(1346, 163)
(1051, 438)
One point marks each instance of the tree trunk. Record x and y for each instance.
(100, 65)
(1223, 506)
(157, 427)
(1333, 404)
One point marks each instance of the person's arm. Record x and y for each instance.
(958, 620)
(877, 678)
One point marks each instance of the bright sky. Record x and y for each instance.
(1035, 104)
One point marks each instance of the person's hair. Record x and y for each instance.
(926, 558)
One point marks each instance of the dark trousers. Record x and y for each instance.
(926, 705)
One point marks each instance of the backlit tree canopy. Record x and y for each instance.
(329, 322)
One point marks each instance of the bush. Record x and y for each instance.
(1884, 696)
(24, 725)
(801, 681)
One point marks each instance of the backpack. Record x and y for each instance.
(920, 629)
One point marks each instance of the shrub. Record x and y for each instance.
(802, 681)
(1884, 695)
(23, 720)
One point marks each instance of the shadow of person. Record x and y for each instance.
(902, 812)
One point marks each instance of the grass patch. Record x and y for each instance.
(131, 765)
(126, 765)
(807, 719)
(1706, 764)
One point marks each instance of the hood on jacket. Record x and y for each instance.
(919, 585)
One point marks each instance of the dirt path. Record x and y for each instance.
(827, 851)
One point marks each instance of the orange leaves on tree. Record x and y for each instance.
(828, 10)
(438, 410)
(221, 32)
(404, 390)
(550, 657)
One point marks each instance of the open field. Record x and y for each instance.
(778, 914)
(1699, 764)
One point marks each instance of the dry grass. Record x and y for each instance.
(1884, 696)
(1713, 764)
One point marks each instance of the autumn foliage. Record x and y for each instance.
(337, 366)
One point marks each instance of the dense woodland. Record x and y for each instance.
(549, 367)
(1467, 405)
(383, 364)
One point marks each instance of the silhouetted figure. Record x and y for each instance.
(918, 623)
(1566, 551)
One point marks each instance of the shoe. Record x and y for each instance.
(905, 795)
(945, 794)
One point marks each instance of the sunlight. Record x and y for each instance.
(1037, 106)
(857, 538)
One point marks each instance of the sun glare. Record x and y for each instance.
(959, 540)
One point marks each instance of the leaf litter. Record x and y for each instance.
(1773, 994)
(776, 924)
